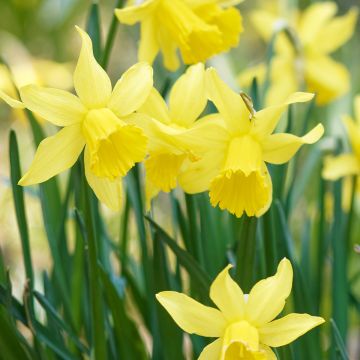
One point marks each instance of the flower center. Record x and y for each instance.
(241, 342)
(114, 145)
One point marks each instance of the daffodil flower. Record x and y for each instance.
(305, 63)
(176, 137)
(200, 28)
(98, 118)
(242, 182)
(347, 164)
(243, 324)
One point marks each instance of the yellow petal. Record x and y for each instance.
(287, 329)
(59, 107)
(163, 169)
(265, 121)
(230, 105)
(169, 50)
(228, 296)
(237, 193)
(267, 297)
(264, 23)
(149, 44)
(335, 33)
(133, 14)
(247, 76)
(191, 316)
(339, 166)
(212, 351)
(357, 108)
(109, 192)
(114, 145)
(54, 155)
(131, 91)
(326, 87)
(270, 355)
(91, 82)
(155, 107)
(280, 148)
(16, 104)
(188, 96)
(314, 18)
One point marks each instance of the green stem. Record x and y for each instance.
(111, 36)
(245, 258)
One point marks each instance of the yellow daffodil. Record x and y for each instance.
(236, 173)
(199, 28)
(98, 118)
(336, 167)
(176, 139)
(305, 62)
(243, 324)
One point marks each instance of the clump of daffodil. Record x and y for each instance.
(236, 173)
(97, 119)
(302, 60)
(336, 167)
(199, 29)
(243, 324)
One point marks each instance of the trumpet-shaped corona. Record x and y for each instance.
(243, 324)
(99, 118)
(200, 29)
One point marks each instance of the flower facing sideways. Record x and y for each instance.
(98, 118)
(244, 325)
(241, 181)
(200, 28)
(336, 167)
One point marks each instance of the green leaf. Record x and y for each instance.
(93, 29)
(340, 346)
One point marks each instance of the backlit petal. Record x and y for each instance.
(155, 107)
(335, 33)
(54, 155)
(287, 329)
(267, 297)
(14, 103)
(264, 23)
(326, 87)
(336, 167)
(133, 14)
(59, 107)
(91, 82)
(149, 44)
(230, 105)
(109, 192)
(228, 296)
(191, 316)
(212, 351)
(188, 96)
(280, 148)
(265, 120)
(131, 91)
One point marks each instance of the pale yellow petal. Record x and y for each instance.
(265, 121)
(91, 82)
(229, 104)
(264, 23)
(132, 90)
(335, 33)
(169, 51)
(336, 167)
(149, 44)
(267, 297)
(327, 78)
(227, 296)
(155, 107)
(191, 316)
(109, 192)
(314, 18)
(59, 107)
(54, 155)
(270, 355)
(280, 148)
(287, 329)
(212, 351)
(133, 14)
(188, 96)
(14, 103)
(246, 77)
